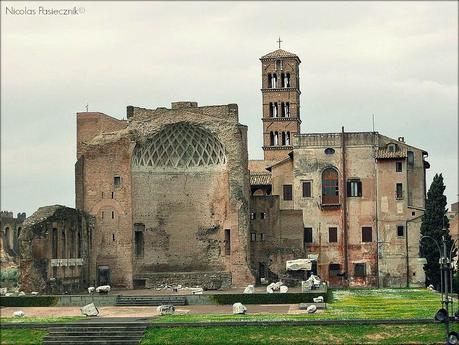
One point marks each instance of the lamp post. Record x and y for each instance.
(446, 283)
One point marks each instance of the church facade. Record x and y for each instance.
(171, 197)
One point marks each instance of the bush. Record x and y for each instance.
(28, 301)
(267, 298)
(9, 276)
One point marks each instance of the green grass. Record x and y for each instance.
(22, 336)
(369, 334)
(51, 319)
(346, 304)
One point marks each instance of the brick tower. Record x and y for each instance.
(281, 102)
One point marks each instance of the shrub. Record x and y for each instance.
(9, 276)
(267, 298)
(28, 301)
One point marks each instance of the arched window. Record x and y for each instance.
(283, 138)
(276, 138)
(7, 238)
(63, 245)
(270, 82)
(287, 139)
(271, 137)
(287, 109)
(282, 79)
(330, 189)
(282, 109)
(287, 80)
(271, 111)
(275, 112)
(274, 81)
(279, 64)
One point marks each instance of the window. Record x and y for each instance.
(398, 166)
(63, 249)
(332, 235)
(139, 243)
(227, 242)
(253, 215)
(262, 237)
(113, 237)
(330, 189)
(367, 234)
(263, 215)
(113, 214)
(113, 194)
(253, 237)
(54, 243)
(270, 84)
(399, 191)
(307, 235)
(354, 188)
(279, 64)
(400, 231)
(391, 147)
(329, 151)
(410, 157)
(117, 181)
(307, 186)
(287, 192)
(334, 269)
(359, 270)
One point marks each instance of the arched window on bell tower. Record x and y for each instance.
(287, 109)
(287, 139)
(282, 79)
(275, 110)
(271, 138)
(270, 82)
(271, 111)
(274, 81)
(282, 108)
(287, 80)
(283, 138)
(276, 138)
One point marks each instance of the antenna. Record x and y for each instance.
(373, 122)
(86, 107)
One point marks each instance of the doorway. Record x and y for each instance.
(103, 275)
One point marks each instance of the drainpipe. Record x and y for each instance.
(406, 251)
(344, 210)
(375, 145)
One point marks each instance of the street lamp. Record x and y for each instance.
(446, 283)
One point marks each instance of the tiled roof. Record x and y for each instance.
(383, 153)
(260, 179)
(279, 53)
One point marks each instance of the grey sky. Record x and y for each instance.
(397, 60)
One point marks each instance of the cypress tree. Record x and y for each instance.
(434, 221)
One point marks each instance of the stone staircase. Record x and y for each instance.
(96, 333)
(149, 300)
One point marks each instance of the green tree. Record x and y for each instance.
(434, 221)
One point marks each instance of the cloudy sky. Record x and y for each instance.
(396, 60)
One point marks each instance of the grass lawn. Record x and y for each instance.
(51, 319)
(369, 334)
(345, 304)
(22, 336)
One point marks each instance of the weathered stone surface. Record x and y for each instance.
(165, 309)
(319, 299)
(34, 293)
(91, 289)
(311, 309)
(9, 294)
(18, 313)
(103, 289)
(239, 308)
(89, 310)
(3, 291)
(249, 289)
(21, 293)
(299, 264)
(283, 289)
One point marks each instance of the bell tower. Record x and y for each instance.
(281, 102)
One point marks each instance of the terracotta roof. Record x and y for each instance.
(279, 53)
(259, 166)
(260, 179)
(383, 153)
